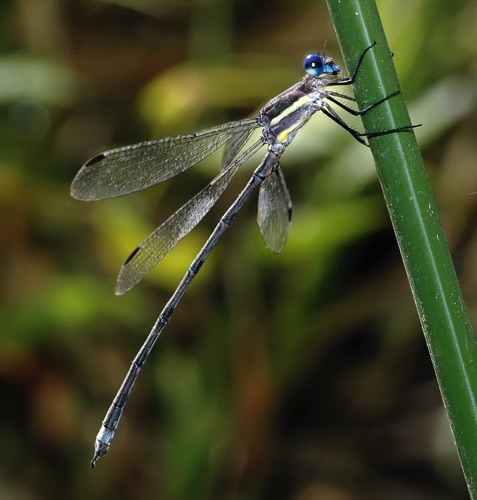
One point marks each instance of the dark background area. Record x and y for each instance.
(303, 375)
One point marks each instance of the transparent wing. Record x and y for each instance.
(178, 225)
(274, 211)
(132, 168)
(234, 145)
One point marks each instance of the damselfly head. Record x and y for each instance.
(316, 65)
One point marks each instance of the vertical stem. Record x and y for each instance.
(444, 319)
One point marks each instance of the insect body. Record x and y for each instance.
(132, 168)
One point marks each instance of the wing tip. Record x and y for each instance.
(121, 287)
(80, 190)
(77, 193)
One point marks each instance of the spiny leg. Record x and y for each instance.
(330, 96)
(331, 113)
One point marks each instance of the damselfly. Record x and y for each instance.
(132, 168)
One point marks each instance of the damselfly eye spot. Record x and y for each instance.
(314, 65)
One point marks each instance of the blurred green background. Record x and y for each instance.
(302, 375)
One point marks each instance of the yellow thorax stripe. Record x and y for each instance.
(299, 103)
(303, 101)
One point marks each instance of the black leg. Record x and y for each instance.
(354, 112)
(331, 113)
(379, 133)
(334, 97)
(350, 80)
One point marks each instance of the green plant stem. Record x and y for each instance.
(449, 336)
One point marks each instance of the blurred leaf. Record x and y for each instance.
(63, 307)
(40, 80)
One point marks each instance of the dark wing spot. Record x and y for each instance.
(96, 159)
(133, 253)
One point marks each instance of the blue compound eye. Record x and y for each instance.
(314, 64)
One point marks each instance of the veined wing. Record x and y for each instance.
(132, 168)
(234, 145)
(178, 225)
(274, 211)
